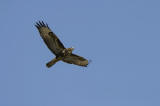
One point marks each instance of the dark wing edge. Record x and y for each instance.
(51, 40)
(40, 24)
(77, 60)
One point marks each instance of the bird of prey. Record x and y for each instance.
(56, 47)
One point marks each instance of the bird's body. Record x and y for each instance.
(56, 47)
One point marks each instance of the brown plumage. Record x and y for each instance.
(56, 47)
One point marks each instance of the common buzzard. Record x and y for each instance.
(56, 47)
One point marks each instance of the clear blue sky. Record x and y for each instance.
(121, 37)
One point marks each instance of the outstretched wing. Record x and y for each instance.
(75, 59)
(50, 39)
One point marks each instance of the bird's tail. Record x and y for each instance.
(52, 62)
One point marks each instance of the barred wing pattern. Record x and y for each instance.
(75, 59)
(50, 39)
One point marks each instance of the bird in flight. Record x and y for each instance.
(57, 48)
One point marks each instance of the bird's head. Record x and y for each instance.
(70, 50)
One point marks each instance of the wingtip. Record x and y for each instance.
(43, 23)
(40, 24)
(89, 61)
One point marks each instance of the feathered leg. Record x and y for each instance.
(52, 62)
